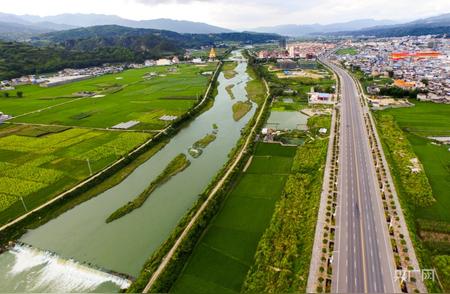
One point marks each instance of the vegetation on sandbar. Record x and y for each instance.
(229, 89)
(229, 70)
(205, 141)
(240, 109)
(178, 164)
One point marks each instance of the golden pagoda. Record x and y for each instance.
(212, 54)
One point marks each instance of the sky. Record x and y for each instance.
(239, 14)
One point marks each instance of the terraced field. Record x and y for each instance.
(225, 253)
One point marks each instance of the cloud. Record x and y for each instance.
(157, 2)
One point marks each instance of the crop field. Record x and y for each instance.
(419, 122)
(38, 163)
(424, 119)
(224, 254)
(130, 95)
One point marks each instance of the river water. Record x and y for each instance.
(82, 236)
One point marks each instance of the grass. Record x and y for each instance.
(225, 253)
(347, 51)
(442, 263)
(39, 163)
(240, 109)
(229, 69)
(255, 88)
(175, 166)
(138, 98)
(229, 89)
(205, 141)
(297, 104)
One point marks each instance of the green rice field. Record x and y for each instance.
(223, 256)
(58, 138)
(423, 120)
(129, 95)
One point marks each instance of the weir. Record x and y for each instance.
(52, 273)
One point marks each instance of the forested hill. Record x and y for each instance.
(17, 59)
(93, 46)
(115, 33)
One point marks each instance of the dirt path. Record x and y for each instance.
(168, 257)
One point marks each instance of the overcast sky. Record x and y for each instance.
(238, 14)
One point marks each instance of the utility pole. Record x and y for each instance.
(89, 165)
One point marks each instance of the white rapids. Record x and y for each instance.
(50, 273)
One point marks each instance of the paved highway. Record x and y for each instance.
(363, 258)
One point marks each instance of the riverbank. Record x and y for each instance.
(100, 182)
(225, 251)
(165, 264)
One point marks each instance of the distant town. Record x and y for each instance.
(413, 63)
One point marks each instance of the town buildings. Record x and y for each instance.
(419, 62)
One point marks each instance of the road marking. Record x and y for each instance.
(359, 201)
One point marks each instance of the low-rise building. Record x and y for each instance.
(320, 98)
(163, 62)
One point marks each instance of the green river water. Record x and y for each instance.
(60, 251)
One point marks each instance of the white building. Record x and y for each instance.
(163, 62)
(320, 98)
(197, 61)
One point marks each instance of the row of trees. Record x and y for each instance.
(415, 184)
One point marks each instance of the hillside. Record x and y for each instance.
(104, 44)
(113, 35)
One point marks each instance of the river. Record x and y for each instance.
(81, 236)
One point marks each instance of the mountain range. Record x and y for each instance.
(294, 30)
(69, 21)
(23, 27)
(436, 25)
